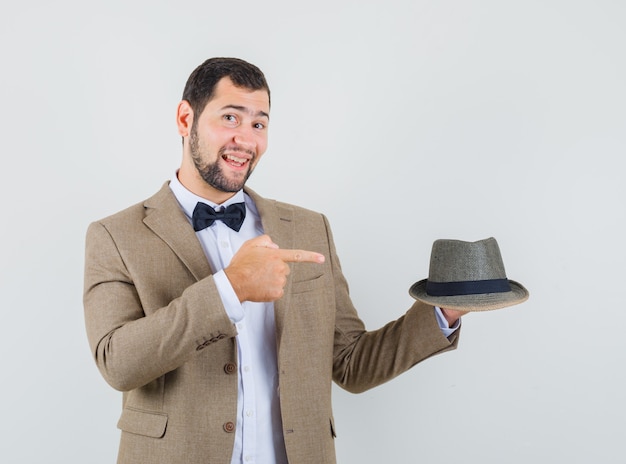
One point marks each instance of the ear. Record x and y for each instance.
(184, 118)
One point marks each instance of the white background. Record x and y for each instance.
(450, 119)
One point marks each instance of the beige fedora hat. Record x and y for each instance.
(468, 276)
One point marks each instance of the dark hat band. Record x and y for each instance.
(469, 287)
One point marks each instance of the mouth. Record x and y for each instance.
(237, 161)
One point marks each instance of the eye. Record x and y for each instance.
(259, 125)
(231, 118)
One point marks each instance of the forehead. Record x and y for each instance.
(228, 95)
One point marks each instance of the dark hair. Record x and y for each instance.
(200, 86)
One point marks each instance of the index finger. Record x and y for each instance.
(300, 256)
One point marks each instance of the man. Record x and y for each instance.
(225, 336)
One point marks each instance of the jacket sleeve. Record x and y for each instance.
(143, 325)
(365, 359)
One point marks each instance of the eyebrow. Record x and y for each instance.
(244, 109)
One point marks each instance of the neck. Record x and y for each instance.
(193, 182)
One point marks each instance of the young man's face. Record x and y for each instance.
(228, 138)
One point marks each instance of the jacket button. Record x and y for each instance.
(230, 368)
(229, 427)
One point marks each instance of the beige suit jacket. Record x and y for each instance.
(159, 333)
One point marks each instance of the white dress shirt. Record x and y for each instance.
(258, 434)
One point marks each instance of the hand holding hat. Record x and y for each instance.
(468, 276)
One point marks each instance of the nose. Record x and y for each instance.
(244, 139)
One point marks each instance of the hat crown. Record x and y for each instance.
(460, 261)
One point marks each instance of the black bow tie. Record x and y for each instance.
(204, 215)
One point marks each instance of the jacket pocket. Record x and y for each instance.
(147, 423)
(304, 286)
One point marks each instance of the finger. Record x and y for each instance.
(263, 241)
(455, 312)
(301, 256)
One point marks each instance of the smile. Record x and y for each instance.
(234, 160)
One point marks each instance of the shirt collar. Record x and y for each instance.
(188, 200)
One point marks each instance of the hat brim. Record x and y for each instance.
(480, 302)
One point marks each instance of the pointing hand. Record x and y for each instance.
(258, 271)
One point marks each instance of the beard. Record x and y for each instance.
(212, 173)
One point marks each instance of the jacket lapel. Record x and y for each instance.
(166, 219)
(278, 223)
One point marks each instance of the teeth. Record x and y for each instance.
(236, 159)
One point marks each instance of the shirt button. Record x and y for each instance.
(249, 413)
(246, 369)
(224, 244)
(229, 427)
